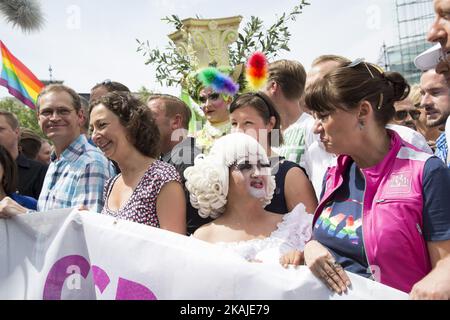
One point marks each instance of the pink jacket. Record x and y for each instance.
(392, 214)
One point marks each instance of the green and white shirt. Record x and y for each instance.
(297, 138)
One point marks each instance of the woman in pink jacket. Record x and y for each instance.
(384, 212)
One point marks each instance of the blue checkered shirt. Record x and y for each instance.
(76, 178)
(441, 148)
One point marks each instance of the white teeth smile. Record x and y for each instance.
(103, 145)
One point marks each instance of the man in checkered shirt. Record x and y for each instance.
(78, 171)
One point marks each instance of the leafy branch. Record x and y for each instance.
(174, 20)
(270, 41)
(173, 67)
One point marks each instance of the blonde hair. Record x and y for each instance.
(290, 75)
(415, 95)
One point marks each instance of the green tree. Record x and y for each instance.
(26, 116)
(144, 94)
(173, 67)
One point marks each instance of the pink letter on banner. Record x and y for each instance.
(129, 290)
(101, 279)
(58, 274)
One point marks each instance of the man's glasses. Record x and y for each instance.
(403, 114)
(62, 112)
(212, 97)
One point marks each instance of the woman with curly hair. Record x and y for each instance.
(233, 184)
(147, 191)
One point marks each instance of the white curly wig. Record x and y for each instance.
(207, 181)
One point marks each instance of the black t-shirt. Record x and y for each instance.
(31, 176)
(280, 168)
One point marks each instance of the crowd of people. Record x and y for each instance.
(342, 169)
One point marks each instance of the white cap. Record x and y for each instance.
(429, 58)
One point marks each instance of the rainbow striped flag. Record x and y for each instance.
(19, 80)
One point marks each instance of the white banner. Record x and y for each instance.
(82, 255)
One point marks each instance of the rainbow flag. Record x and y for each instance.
(19, 80)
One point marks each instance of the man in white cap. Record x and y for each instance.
(430, 58)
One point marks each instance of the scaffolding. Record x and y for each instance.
(414, 17)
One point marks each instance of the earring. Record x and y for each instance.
(361, 125)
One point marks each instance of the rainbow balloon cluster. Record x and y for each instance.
(257, 71)
(211, 77)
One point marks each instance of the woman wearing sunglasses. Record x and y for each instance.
(232, 185)
(384, 208)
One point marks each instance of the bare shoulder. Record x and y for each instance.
(295, 173)
(205, 232)
(171, 194)
(171, 186)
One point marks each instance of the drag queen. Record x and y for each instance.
(233, 184)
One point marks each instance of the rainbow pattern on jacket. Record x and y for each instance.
(257, 71)
(18, 79)
(211, 77)
(331, 223)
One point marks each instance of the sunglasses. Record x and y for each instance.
(360, 61)
(403, 114)
(212, 97)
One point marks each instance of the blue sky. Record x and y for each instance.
(89, 41)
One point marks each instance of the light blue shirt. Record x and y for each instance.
(441, 148)
(77, 178)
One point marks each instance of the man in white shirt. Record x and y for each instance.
(285, 87)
